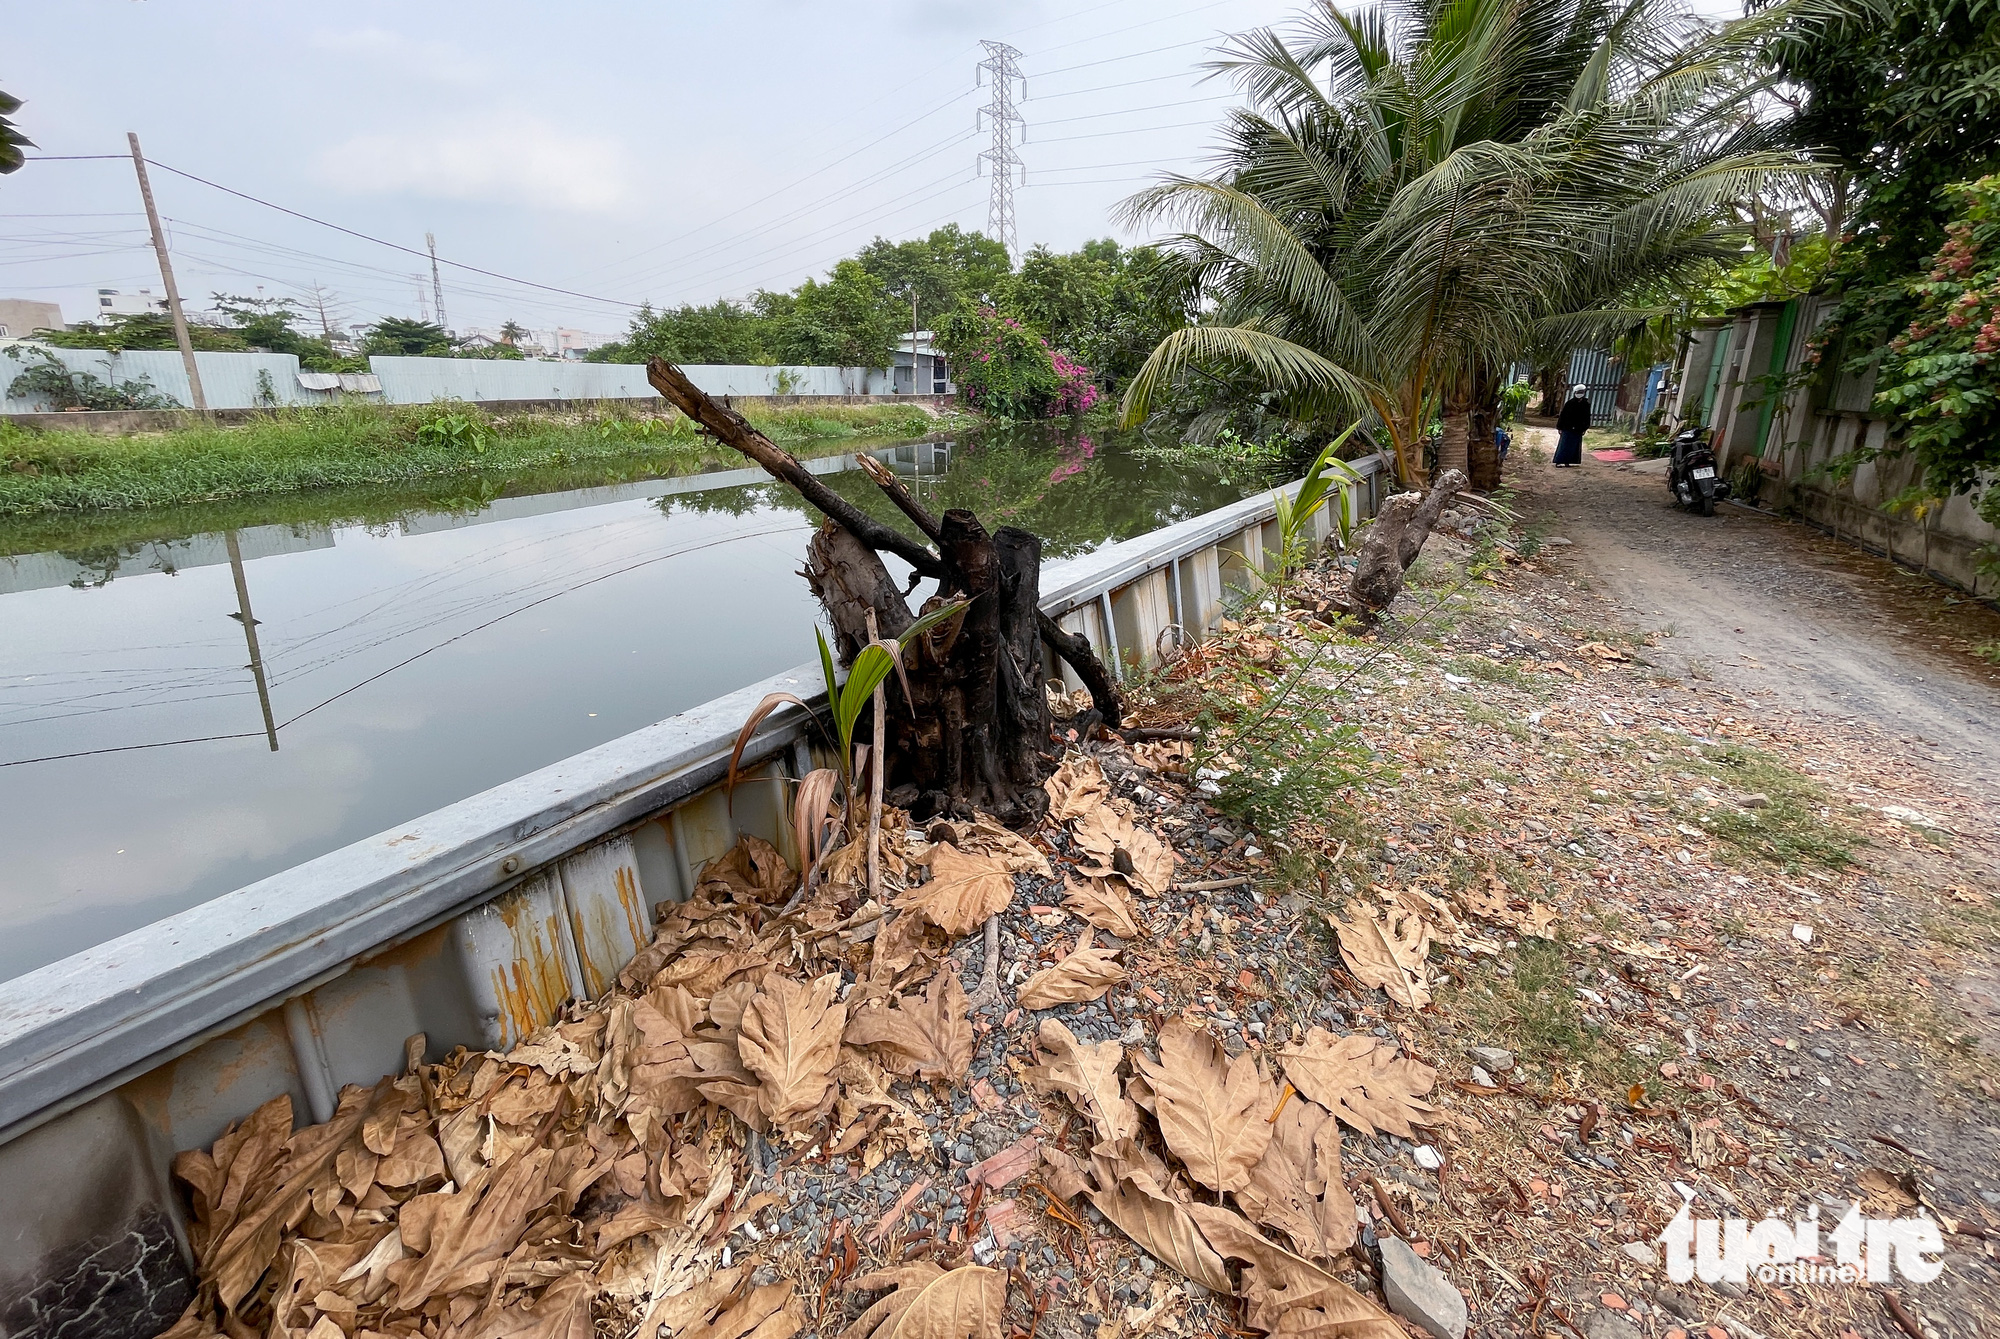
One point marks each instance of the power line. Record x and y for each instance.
(1129, 111)
(393, 246)
(1113, 60)
(791, 185)
(1129, 130)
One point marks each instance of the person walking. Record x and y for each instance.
(1571, 424)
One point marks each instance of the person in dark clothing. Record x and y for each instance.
(1571, 424)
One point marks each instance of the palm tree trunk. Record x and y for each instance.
(1452, 445)
(1482, 448)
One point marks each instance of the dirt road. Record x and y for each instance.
(1777, 610)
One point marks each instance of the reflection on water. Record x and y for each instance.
(183, 713)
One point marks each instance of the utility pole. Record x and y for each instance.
(167, 278)
(249, 622)
(437, 284)
(1002, 63)
(913, 339)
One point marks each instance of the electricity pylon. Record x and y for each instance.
(1001, 161)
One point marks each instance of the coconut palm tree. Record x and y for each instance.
(1418, 187)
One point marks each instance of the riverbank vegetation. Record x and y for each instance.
(294, 450)
(1097, 311)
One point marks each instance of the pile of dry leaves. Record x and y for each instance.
(590, 1180)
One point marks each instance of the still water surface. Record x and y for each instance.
(415, 657)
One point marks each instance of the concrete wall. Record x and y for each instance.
(232, 380)
(471, 925)
(1814, 423)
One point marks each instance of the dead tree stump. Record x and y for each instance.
(976, 732)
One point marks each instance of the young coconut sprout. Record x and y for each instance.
(813, 805)
(1321, 484)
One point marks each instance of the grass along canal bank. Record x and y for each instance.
(300, 450)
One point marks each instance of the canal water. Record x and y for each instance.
(410, 651)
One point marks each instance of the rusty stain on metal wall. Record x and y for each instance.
(531, 986)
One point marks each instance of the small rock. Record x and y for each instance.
(1427, 1157)
(764, 1276)
(1756, 799)
(1679, 1303)
(1641, 1253)
(1482, 1078)
(1556, 542)
(1420, 1293)
(1133, 1035)
(1492, 1058)
(1609, 1325)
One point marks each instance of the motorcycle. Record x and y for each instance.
(1691, 472)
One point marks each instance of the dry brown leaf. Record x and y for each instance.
(1388, 950)
(1492, 900)
(1088, 1075)
(1083, 974)
(791, 1042)
(986, 835)
(750, 871)
(1362, 1080)
(964, 889)
(1280, 1284)
(1161, 1227)
(1104, 904)
(1297, 1187)
(931, 1303)
(1117, 845)
(562, 1312)
(931, 1039)
(1077, 788)
(1214, 1111)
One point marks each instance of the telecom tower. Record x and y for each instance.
(1002, 65)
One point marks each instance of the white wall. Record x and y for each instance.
(230, 379)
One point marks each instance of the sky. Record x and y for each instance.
(659, 152)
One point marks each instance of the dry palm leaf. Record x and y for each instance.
(1297, 1187)
(750, 871)
(1088, 1076)
(791, 1042)
(1361, 1080)
(1104, 904)
(1388, 950)
(1288, 1293)
(1214, 1112)
(1160, 1226)
(1083, 974)
(562, 1312)
(1117, 845)
(931, 1303)
(931, 1039)
(963, 891)
(1077, 788)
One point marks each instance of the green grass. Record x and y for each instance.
(294, 451)
(1534, 1012)
(1791, 832)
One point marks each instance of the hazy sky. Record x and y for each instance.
(667, 152)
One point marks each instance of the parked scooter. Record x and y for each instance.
(1691, 473)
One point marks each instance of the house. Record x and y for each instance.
(933, 377)
(111, 302)
(21, 317)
